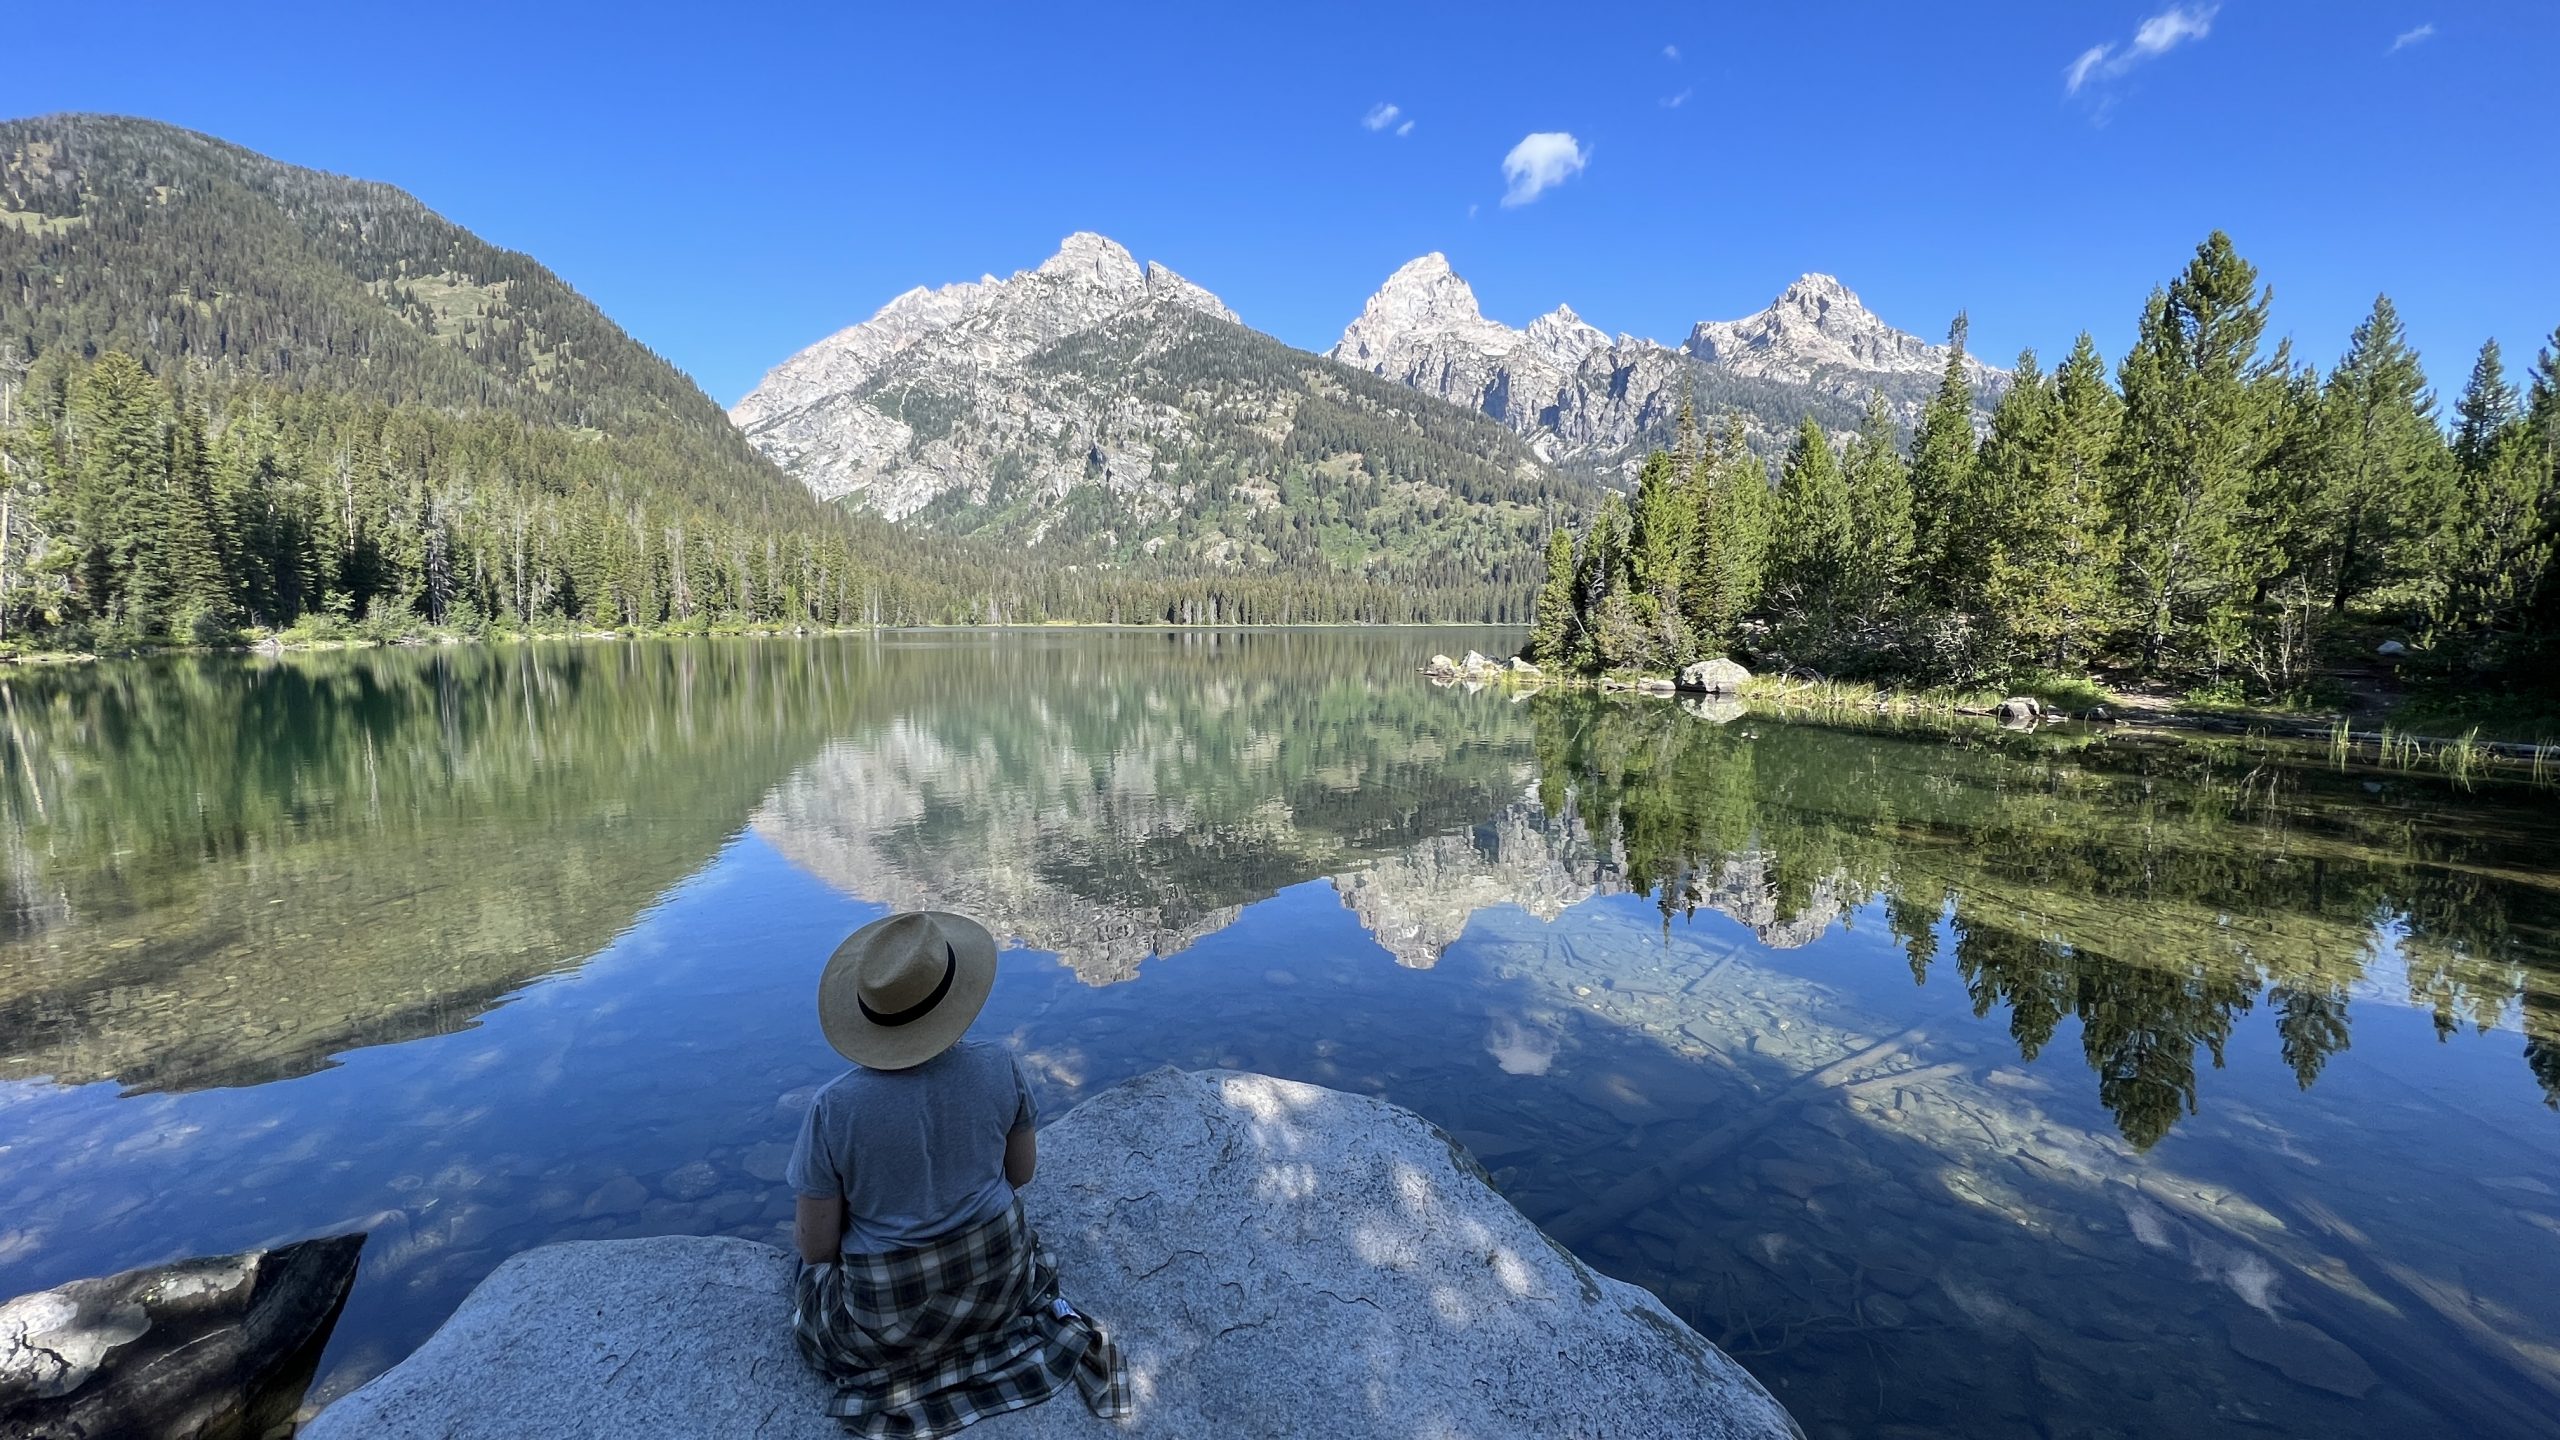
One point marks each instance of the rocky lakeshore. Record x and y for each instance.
(1275, 1258)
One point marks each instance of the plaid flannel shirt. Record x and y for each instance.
(922, 1342)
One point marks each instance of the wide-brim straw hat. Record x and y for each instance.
(901, 989)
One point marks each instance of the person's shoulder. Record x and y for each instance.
(841, 1090)
(984, 1057)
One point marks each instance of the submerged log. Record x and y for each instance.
(206, 1349)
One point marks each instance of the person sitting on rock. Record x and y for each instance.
(924, 1296)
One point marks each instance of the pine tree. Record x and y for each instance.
(1665, 525)
(1555, 621)
(122, 423)
(1811, 549)
(1880, 525)
(2487, 407)
(189, 555)
(1612, 635)
(2382, 462)
(2185, 461)
(2008, 545)
(1948, 528)
(1730, 493)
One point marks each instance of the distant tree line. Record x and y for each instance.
(2210, 515)
(135, 509)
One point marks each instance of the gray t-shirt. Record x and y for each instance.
(915, 1154)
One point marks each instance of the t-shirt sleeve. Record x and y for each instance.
(1026, 1111)
(814, 1171)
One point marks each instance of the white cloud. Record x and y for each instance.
(1380, 116)
(1674, 102)
(2407, 38)
(2165, 31)
(1404, 129)
(1670, 52)
(2152, 39)
(2077, 73)
(1539, 163)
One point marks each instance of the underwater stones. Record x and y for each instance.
(620, 1195)
(1274, 1259)
(689, 1182)
(2302, 1353)
(766, 1162)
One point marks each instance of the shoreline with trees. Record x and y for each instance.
(2217, 522)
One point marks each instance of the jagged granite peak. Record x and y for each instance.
(1114, 411)
(1579, 396)
(809, 415)
(1422, 306)
(850, 356)
(1564, 338)
(1818, 325)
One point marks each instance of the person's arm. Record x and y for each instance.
(817, 1183)
(817, 1227)
(1021, 1155)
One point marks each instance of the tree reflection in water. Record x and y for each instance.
(2154, 892)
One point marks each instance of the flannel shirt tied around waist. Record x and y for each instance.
(921, 1342)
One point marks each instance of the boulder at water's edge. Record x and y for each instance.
(1714, 677)
(1275, 1259)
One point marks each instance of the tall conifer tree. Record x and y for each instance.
(1947, 526)
(2487, 407)
(1554, 621)
(2382, 459)
(2186, 459)
(1879, 487)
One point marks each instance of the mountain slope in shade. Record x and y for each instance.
(1112, 409)
(1585, 398)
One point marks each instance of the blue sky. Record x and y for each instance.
(732, 184)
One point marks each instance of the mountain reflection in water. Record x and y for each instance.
(485, 948)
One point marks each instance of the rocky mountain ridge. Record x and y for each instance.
(1097, 399)
(808, 413)
(1113, 411)
(1582, 397)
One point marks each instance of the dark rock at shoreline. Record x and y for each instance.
(206, 1349)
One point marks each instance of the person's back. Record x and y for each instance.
(923, 1294)
(915, 1154)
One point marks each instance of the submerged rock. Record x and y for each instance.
(205, 1349)
(1275, 1259)
(2019, 710)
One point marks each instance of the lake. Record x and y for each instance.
(1957, 1081)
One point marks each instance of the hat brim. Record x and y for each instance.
(874, 1046)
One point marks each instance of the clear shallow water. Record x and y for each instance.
(2202, 1089)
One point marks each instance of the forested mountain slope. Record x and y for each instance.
(125, 234)
(235, 392)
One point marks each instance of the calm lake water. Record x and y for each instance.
(1957, 1082)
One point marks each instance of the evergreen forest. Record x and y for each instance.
(238, 394)
(2213, 514)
